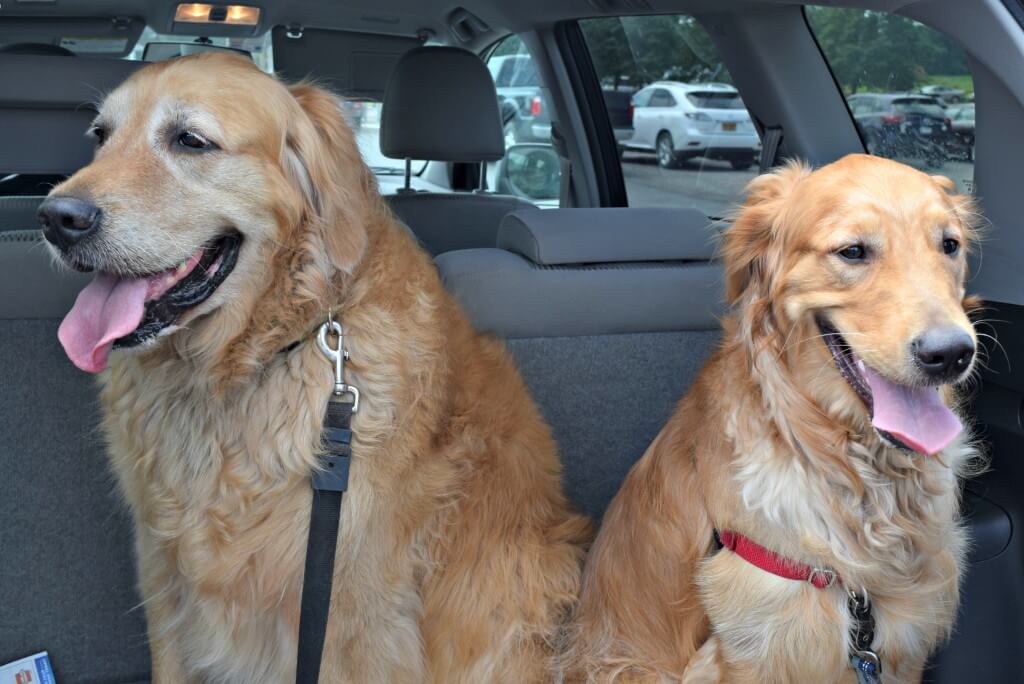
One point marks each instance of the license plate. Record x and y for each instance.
(729, 126)
(926, 130)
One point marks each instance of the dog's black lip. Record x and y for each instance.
(191, 291)
(842, 355)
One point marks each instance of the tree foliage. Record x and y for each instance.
(635, 51)
(882, 51)
(866, 50)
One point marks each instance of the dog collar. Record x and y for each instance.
(862, 624)
(769, 561)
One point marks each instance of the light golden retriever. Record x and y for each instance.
(225, 214)
(819, 430)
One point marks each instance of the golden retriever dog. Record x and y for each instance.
(819, 435)
(226, 215)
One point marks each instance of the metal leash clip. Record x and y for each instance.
(338, 356)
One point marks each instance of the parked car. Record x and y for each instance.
(679, 121)
(519, 93)
(524, 112)
(903, 125)
(962, 118)
(944, 93)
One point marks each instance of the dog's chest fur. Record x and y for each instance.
(901, 541)
(220, 493)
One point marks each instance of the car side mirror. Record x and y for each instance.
(531, 171)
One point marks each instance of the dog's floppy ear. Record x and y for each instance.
(747, 241)
(322, 161)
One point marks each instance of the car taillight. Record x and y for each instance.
(632, 111)
(893, 118)
(535, 106)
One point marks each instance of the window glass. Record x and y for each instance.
(662, 98)
(692, 144)
(704, 100)
(642, 98)
(531, 168)
(917, 83)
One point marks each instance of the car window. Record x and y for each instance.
(706, 100)
(642, 98)
(662, 98)
(530, 169)
(895, 58)
(699, 153)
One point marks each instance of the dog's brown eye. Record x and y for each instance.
(194, 141)
(950, 246)
(99, 133)
(853, 252)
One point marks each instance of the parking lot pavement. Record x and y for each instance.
(716, 189)
(713, 187)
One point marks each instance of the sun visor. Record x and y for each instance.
(356, 65)
(95, 37)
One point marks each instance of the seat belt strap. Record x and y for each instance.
(329, 484)
(770, 139)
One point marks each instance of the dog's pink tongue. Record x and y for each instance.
(914, 415)
(108, 308)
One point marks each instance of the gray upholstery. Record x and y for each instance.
(448, 221)
(607, 339)
(538, 300)
(33, 286)
(440, 104)
(356, 65)
(66, 570)
(606, 397)
(46, 106)
(585, 236)
(67, 582)
(19, 213)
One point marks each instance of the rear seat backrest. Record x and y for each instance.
(67, 581)
(609, 313)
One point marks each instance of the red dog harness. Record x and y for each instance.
(769, 561)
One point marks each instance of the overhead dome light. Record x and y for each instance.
(201, 13)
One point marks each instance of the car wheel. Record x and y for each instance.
(741, 164)
(667, 156)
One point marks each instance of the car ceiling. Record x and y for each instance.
(401, 17)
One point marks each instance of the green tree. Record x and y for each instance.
(881, 50)
(639, 50)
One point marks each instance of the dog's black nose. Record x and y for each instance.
(944, 353)
(67, 220)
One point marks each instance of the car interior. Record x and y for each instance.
(596, 265)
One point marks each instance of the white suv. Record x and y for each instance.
(679, 121)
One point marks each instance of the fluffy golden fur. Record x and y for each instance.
(772, 442)
(458, 556)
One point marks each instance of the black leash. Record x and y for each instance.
(329, 484)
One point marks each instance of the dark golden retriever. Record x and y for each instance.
(225, 214)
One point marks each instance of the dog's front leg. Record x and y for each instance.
(705, 667)
(167, 668)
(154, 585)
